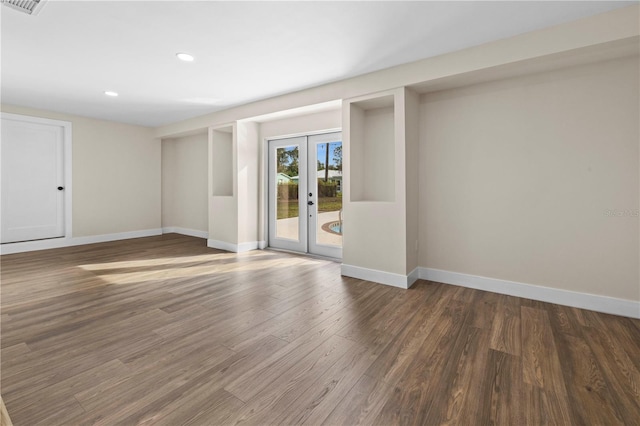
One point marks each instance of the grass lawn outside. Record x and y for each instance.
(289, 208)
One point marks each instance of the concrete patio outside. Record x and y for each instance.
(288, 228)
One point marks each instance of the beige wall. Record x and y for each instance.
(412, 170)
(573, 42)
(248, 182)
(116, 174)
(234, 173)
(184, 182)
(516, 178)
(303, 124)
(372, 154)
(375, 235)
(223, 191)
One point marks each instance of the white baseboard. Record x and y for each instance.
(252, 245)
(413, 277)
(593, 302)
(236, 248)
(380, 277)
(185, 231)
(262, 245)
(221, 245)
(11, 248)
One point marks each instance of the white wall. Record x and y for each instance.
(516, 178)
(116, 174)
(184, 183)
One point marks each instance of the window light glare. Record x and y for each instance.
(111, 93)
(185, 57)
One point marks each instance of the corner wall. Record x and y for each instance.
(535, 180)
(184, 185)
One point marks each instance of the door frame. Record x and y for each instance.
(67, 129)
(264, 177)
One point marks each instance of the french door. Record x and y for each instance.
(305, 194)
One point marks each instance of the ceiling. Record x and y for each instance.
(67, 56)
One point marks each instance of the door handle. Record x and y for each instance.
(310, 203)
(60, 188)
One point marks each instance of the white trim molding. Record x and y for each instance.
(593, 302)
(185, 231)
(380, 277)
(235, 248)
(11, 248)
(251, 245)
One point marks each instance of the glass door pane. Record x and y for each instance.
(325, 185)
(305, 194)
(287, 197)
(287, 204)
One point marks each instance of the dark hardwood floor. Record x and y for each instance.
(163, 330)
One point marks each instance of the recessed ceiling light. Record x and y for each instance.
(185, 57)
(110, 93)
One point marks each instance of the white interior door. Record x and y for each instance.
(32, 161)
(305, 187)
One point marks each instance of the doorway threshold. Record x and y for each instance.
(311, 255)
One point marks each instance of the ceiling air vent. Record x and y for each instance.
(31, 7)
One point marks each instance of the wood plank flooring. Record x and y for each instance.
(165, 331)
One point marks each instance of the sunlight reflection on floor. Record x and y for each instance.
(173, 260)
(188, 272)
